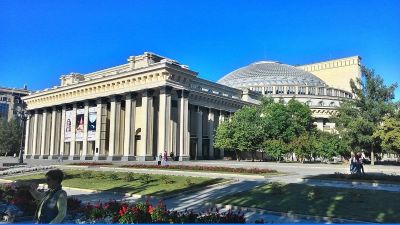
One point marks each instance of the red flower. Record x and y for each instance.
(150, 209)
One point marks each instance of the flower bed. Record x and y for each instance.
(144, 212)
(21, 203)
(91, 164)
(203, 168)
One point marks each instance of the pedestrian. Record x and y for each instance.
(360, 162)
(159, 159)
(15, 155)
(165, 159)
(52, 207)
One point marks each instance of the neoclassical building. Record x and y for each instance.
(153, 104)
(322, 86)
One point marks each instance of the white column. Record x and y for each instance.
(27, 134)
(129, 139)
(199, 133)
(221, 120)
(164, 122)
(184, 138)
(111, 146)
(97, 144)
(85, 131)
(35, 125)
(145, 151)
(211, 132)
(44, 133)
(52, 131)
(73, 131)
(62, 136)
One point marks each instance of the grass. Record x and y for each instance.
(363, 205)
(372, 178)
(143, 184)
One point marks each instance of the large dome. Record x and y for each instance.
(267, 73)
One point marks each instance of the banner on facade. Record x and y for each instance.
(80, 121)
(68, 126)
(92, 124)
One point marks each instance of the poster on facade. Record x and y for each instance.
(68, 126)
(80, 121)
(92, 124)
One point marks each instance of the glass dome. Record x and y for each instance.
(268, 73)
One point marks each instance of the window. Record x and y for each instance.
(290, 90)
(302, 91)
(321, 91)
(269, 90)
(311, 90)
(280, 90)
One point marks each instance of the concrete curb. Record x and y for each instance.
(288, 215)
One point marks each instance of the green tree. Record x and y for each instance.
(358, 118)
(10, 136)
(329, 145)
(389, 134)
(242, 133)
(224, 138)
(275, 148)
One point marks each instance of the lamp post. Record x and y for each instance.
(23, 115)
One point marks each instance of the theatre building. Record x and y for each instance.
(152, 104)
(134, 111)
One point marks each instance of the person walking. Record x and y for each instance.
(159, 159)
(52, 207)
(165, 159)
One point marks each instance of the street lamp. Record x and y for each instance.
(22, 115)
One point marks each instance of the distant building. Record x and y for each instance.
(11, 102)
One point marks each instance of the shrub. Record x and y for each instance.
(113, 176)
(145, 178)
(129, 177)
(189, 181)
(167, 179)
(276, 188)
(87, 175)
(205, 168)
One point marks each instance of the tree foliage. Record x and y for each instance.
(389, 134)
(10, 136)
(358, 118)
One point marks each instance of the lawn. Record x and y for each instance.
(363, 205)
(143, 184)
(372, 178)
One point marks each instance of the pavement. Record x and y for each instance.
(295, 173)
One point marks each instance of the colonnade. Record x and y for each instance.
(131, 126)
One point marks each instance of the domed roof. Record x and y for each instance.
(267, 73)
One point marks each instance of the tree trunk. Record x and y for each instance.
(372, 156)
(252, 156)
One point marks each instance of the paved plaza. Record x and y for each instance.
(198, 200)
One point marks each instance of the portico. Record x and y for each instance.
(130, 112)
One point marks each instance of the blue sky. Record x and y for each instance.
(41, 40)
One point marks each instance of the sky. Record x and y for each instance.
(42, 40)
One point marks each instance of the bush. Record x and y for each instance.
(113, 176)
(276, 188)
(129, 177)
(189, 181)
(145, 178)
(204, 168)
(87, 175)
(166, 179)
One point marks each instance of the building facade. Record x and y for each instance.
(321, 86)
(133, 111)
(11, 102)
(153, 104)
